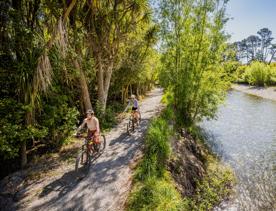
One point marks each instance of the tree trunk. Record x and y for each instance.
(100, 80)
(23, 154)
(84, 88)
(137, 90)
(104, 78)
(131, 89)
(28, 121)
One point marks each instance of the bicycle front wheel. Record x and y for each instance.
(129, 127)
(83, 159)
(102, 143)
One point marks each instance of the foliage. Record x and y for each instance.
(192, 63)
(13, 132)
(259, 74)
(50, 54)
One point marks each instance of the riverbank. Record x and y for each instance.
(178, 171)
(264, 92)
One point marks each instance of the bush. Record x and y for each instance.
(259, 74)
(13, 131)
(60, 119)
(107, 119)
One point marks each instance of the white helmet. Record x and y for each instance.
(132, 96)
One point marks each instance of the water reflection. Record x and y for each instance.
(244, 135)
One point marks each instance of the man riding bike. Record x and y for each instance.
(93, 128)
(135, 107)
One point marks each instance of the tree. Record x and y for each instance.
(266, 38)
(256, 47)
(109, 24)
(194, 43)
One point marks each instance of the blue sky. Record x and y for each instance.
(249, 16)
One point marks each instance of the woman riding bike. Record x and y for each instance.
(135, 107)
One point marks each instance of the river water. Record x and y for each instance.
(244, 136)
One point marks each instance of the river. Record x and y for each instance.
(244, 136)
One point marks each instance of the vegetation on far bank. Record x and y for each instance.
(257, 74)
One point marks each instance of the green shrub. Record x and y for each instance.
(13, 131)
(259, 74)
(60, 119)
(272, 75)
(239, 74)
(107, 119)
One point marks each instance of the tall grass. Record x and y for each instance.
(154, 188)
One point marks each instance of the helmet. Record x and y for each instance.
(89, 111)
(132, 96)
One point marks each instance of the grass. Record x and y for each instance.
(214, 187)
(154, 188)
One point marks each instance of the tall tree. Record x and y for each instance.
(109, 24)
(194, 43)
(257, 47)
(266, 39)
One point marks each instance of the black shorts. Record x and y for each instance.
(134, 109)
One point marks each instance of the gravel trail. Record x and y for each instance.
(105, 186)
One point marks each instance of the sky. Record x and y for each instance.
(249, 16)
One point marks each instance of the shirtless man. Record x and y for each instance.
(93, 127)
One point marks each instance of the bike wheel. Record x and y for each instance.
(140, 118)
(99, 148)
(129, 127)
(132, 125)
(102, 143)
(83, 159)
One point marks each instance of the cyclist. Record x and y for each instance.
(93, 127)
(135, 107)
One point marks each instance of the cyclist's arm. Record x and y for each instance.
(81, 126)
(127, 106)
(136, 104)
(97, 126)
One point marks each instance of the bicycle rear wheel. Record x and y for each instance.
(83, 159)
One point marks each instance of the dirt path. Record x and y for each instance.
(268, 93)
(106, 184)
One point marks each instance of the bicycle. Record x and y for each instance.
(133, 122)
(86, 153)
